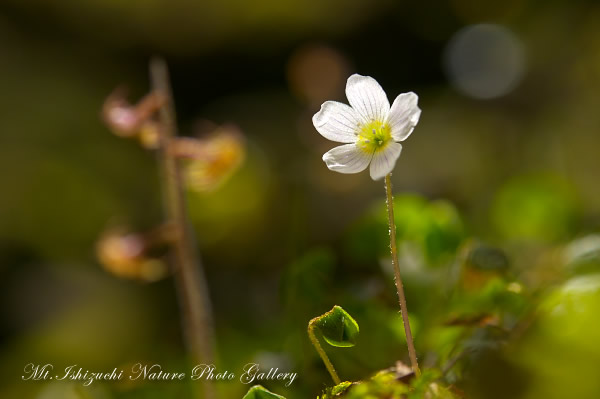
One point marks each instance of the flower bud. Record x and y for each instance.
(125, 119)
(214, 159)
(134, 255)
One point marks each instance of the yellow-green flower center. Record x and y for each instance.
(373, 137)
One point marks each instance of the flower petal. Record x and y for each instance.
(383, 162)
(404, 115)
(367, 97)
(347, 158)
(337, 122)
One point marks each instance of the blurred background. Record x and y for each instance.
(497, 194)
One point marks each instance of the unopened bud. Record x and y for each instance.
(214, 159)
(125, 119)
(133, 255)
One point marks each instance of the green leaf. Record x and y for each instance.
(340, 388)
(539, 208)
(336, 391)
(487, 258)
(305, 281)
(338, 328)
(260, 392)
(383, 385)
(434, 227)
(566, 332)
(583, 254)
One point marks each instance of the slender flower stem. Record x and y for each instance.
(319, 348)
(189, 276)
(401, 298)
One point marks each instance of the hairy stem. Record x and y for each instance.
(401, 298)
(189, 276)
(321, 351)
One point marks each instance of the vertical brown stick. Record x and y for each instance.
(400, 288)
(189, 277)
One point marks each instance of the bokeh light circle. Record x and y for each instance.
(484, 61)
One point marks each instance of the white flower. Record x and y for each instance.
(369, 126)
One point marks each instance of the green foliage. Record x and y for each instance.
(570, 310)
(485, 304)
(259, 392)
(428, 386)
(583, 254)
(560, 352)
(307, 277)
(493, 297)
(388, 384)
(72, 390)
(488, 258)
(229, 219)
(443, 233)
(337, 327)
(336, 391)
(541, 208)
(435, 227)
(485, 292)
(395, 323)
(382, 385)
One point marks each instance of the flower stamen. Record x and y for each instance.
(373, 137)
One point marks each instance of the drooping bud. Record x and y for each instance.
(125, 119)
(135, 255)
(211, 160)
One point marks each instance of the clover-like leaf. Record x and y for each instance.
(338, 328)
(260, 392)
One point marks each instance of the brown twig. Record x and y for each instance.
(187, 269)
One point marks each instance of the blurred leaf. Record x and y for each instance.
(396, 324)
(382, 385)
(560, 351)
(443, 340)
(305, 279)
(570, 308)
(444, 232)
(386, 384)
(535, 208)
(426, 386)
(338, 328)
(232, 214)
(336, 391)
(436, 228)
(493, 297)
(487, 258)
(259, 392)
(72, 390)
(340, 388)
(583, 254)
(368, 238)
